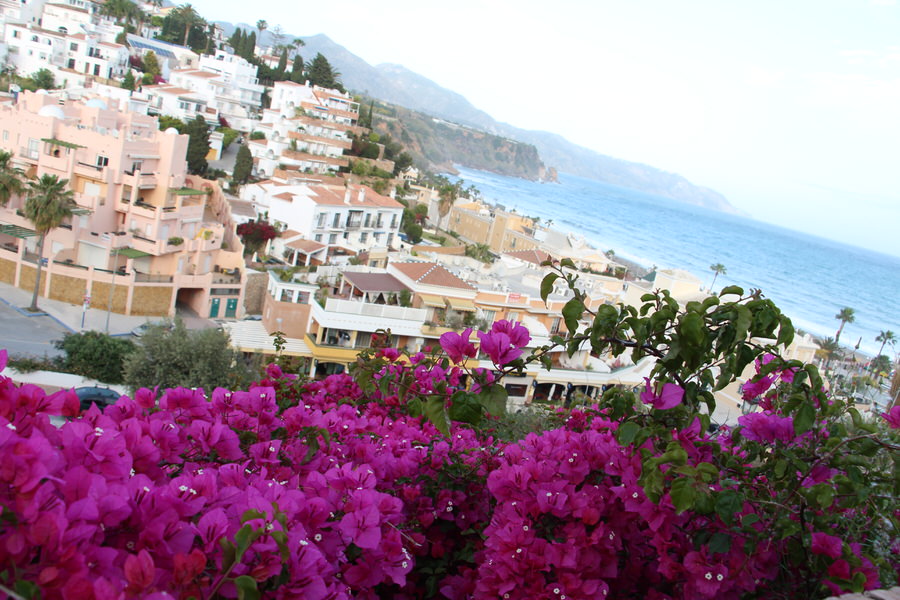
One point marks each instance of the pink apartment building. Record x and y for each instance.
(145, 237)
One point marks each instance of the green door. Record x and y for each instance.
(214, 308)
(231, 308)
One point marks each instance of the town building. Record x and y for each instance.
(500, 230)
(346, 219)
(308, 130)
(145, 235)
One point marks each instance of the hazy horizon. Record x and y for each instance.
(788, 110)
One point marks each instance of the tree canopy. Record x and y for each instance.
(198, 145)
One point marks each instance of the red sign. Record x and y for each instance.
(514, 298)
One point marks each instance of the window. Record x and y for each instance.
(102, 161)
(5, 135)
(363, 237)
(488, 315)
(15, 33)
(394, 221)
(512, 316)
(337, 220)
(96, 69)
(72, 63)
(322, 217)
(332, 238)
(554, 329)
(368, 220)
(318, 238)
(184, 105)
(390, 241)
(73, 47)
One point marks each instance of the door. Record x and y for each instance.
(214, 308)
(231, 308)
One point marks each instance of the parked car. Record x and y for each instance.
(101, 396)
(253, 318)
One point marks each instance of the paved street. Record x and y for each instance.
(31, 336)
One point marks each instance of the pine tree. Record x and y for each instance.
(322, 74)
(243, 165)
(248, 50)
(198, 145)
(128, 81)
(151, 64)
(282, 65)
(298, 70)
(236, 40)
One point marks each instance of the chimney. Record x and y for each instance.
(347, 196)
(362, 194)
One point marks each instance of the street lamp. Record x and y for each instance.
(112, 287)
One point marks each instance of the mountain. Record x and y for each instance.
(398, 85)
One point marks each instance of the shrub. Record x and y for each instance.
(389, 482)
(95, 355)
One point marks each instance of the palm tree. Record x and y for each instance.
(448, 195)
(829, 347)
(718, 269)
(121, 10)
(190, 17)
(10, 178)
(261, 26)
(885, 337)
(49, 203)
(845, 316)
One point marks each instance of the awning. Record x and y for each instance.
(131, 253)
(429, 300)
(17, 231)
(144, 156)
(56, 142)
(186, 191)
(461, 304)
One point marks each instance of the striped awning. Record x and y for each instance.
(429, 300)
(16, 231)
(461, 304)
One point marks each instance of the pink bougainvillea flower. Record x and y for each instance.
(670, 396)
(766, 427)
(827, 545)
(457, 346)
(498, 347)
(892, 417)
(3, 358)
(518, 334)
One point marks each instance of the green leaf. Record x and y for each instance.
(494, 401)
(435, 411)
(606, 321)
(245, 536)
(719, 543)
(824, 495)
(27, 589)
(732, 289)
(785, 332)
(567, 262)
(804, 418)
(728, 502)
(465, 408)
(626, 432)
(251, 514)
(572, 312)
(547, 285)
(683, 494)
(246, 588)
(749, 519)
(229, 553)
(280, 538)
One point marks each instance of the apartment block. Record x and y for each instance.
(500, 230)
(145, 235)
(351, 217)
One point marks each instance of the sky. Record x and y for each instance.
(789, 109)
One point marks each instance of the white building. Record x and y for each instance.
(89, 55)
(22, 11)
(32, 48)
(354, 217)
(170, 56)
(178, 102)
(229, 85)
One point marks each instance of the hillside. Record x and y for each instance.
(439, 144)
(398, 85)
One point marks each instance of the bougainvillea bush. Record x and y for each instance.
(390, 483)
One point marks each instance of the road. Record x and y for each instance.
(31, 336)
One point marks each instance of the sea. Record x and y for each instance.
(810, 278)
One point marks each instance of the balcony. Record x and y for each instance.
(362, 316)
(136, 179)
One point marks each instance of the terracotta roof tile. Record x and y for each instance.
(431, 273)
(305, 246)
(533, 256)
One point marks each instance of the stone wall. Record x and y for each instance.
(255, 292)
(7, 271)
(68, 289)
(26, 278)
(152, 300)
(100, 297)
